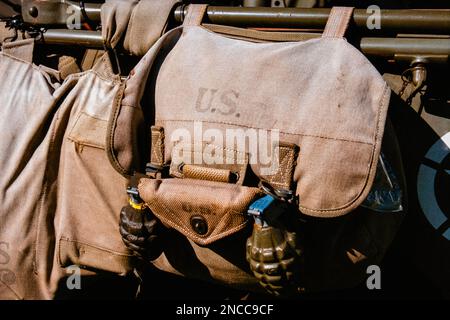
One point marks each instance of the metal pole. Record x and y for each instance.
(389, 47)
(418, 21)
(90, 39)
(392, 21)
(256, 3)
(376, 47)
(61, 12)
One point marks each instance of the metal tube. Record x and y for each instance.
(392, 21)
(377, 47)
(90, 39)
(92, 9)
(256, 3)
(47, 12)
(388, 47)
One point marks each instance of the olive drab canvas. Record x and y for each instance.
(224, 150)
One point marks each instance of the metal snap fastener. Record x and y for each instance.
(199, 225)
(33, 11)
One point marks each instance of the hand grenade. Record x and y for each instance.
(140, 230)
(273, 252)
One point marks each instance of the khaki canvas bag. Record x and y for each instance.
(28, 106)
(329, 106)
(59, 197)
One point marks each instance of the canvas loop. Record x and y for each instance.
(115, 15)
(22, 49)
(67, 65)
(338, 22)
(195, 15)
(136, 25)
(148, 22)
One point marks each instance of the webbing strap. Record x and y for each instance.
(337, 22)
(195, 15)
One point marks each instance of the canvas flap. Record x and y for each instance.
(322, 95)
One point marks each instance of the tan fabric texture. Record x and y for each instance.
(287, 161)
(337, 250)
(337, 22)
(22, 49)
(195, 15)
(147, 24)
(259, 36)
(27, 102)
(183, 154)
(90, 194)
(284, 86)
(322, 94)
(59, 198)
(115, 15)
(210, 174)
(136, 23)
(157, 146)
(67, 65)
(221, 206)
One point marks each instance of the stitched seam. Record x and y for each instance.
(42, 197)
(195, 237)
(95, 247)
(350, 203)
(72, 137)
(19, 297)
(283, 132)
(242, 166)
(111, 130)
(338, 22)
(157, 152)
(285, 166)
(279, 179)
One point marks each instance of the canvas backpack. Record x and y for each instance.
(310, 211)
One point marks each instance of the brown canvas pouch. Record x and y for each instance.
(34, 120)
(339, 134)
(90, 192)
(60, 198)
(203, 211)
(237, 84)
(207, 202)
(26, 96)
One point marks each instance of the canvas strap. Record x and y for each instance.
(138, 23)
(147, 24)
(195, 15)
(67, 65)
(115, 15)
(338, 22)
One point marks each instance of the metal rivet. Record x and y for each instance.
(199, 225)
(33, 11)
